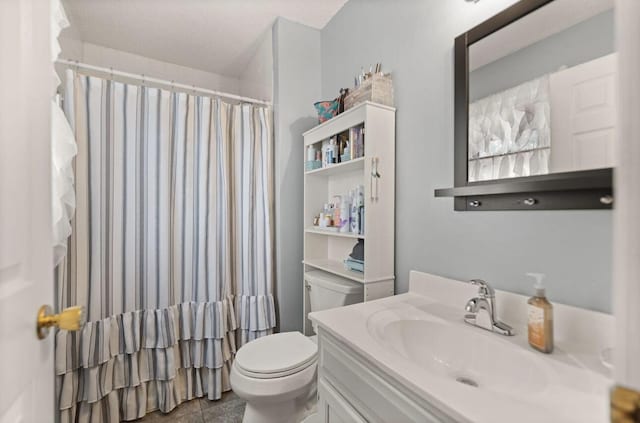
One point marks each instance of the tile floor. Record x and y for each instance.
(229, 409)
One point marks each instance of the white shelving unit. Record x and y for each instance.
(325, 249)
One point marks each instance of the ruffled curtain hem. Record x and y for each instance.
(133, 403)
(126, 365)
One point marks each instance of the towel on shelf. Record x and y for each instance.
(358, 251)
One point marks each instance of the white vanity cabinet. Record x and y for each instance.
(408, 358)
(351, 389)
(333, 407)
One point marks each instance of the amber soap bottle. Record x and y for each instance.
(540, 317)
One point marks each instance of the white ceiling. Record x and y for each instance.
(217, 36)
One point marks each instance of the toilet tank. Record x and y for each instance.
(330, 291)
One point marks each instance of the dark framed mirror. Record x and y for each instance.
(535, 108)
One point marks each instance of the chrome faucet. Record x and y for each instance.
(482, 310)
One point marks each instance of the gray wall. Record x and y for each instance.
(296, 52)
(578, 44)
(257, 79)
(414, 39)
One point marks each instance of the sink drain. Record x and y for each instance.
(467, 381)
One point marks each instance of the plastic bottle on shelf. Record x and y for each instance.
(311, 153)
(328, 215)
(325, 151)
(346, 152)
(337, 201)
(355, 211)
(331, 152)
(345, 214)
(361, 209)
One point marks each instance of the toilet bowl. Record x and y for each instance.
(276, 374)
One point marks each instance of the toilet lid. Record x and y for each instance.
(276, 355)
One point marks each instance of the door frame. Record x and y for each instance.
(626, 222)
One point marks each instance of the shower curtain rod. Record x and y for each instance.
(144, 78)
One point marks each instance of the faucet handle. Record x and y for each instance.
(484, 289)
(472, 306)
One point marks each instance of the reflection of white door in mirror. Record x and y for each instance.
(583, 115)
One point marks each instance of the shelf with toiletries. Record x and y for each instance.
(344, 197)
(338, 150)
(343, 214)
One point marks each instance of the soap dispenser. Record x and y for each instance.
(540, 317)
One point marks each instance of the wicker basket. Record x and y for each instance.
(378, 89)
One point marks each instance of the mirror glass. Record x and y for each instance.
(542, 93)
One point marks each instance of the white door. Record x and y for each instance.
(26, 364)
(583, 116)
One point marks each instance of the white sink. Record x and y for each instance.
(468, 355)
(421, 342)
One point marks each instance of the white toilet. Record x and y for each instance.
(276, 374)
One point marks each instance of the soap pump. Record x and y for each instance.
(540, 317)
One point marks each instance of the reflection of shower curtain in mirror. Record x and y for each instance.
(171, 251)
(510, 132)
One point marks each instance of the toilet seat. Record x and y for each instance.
(276, 356)
(276, 375)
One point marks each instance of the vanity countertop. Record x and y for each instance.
(419, 340)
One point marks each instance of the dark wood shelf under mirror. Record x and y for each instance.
(585, 180)
(589, 189)
(562, 188)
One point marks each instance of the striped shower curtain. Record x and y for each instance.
(171, 249)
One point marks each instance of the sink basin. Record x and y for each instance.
(470, 356)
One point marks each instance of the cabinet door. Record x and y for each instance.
(333, 408)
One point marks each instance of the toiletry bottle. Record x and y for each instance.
(333, 151)
(336, 210)
(540, 318)
(311, 153)
(324, 149)
(347, 151)
(361, 209)
(328, 215)
(345, 213)
(355, 212)
(327, 155)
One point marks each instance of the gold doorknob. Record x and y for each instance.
(71, 318)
